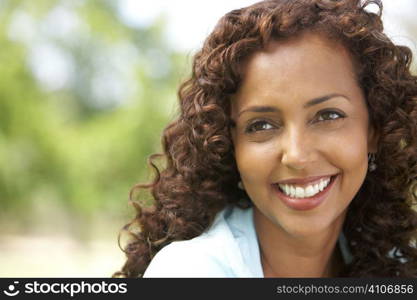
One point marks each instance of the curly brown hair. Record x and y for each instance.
(200, 176)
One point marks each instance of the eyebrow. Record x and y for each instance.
(315, 101)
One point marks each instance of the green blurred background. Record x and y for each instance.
(83, 101)
(84, 96)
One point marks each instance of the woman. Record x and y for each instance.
(294, 154)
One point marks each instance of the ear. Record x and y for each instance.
(373, 138)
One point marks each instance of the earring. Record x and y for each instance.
(371, 162)
(240, 185)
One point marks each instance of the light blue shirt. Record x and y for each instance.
(229, 248)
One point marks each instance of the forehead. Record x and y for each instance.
(304, 66)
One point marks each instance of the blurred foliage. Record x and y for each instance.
(83, 101)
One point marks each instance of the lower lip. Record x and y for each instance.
(305, 203)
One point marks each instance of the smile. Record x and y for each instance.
(305, 196)
(309, 190)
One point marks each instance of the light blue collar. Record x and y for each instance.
(344, 248)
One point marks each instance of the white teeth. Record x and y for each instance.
(302, 192)
(287, 189)
(321, 185)
(299, 192)
(292, 191)
(309, 191)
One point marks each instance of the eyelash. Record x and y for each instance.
(250, 128)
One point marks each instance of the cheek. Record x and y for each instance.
(255, 161)
(348, 149)
(348, 153)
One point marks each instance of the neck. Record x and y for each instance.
(285, 255)
(332, 268)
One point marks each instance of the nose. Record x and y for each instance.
(297, 149)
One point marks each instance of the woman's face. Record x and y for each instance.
(301, 120)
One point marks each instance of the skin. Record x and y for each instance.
(294, 141)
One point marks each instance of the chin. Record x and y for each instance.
(305, 227)
(304, 231)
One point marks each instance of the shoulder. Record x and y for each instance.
(215, 253)
(186, 259)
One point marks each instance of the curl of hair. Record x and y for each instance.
(200, 177)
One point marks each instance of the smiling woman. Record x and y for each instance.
(294, 154)
(301, 162)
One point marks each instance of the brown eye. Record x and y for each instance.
(330, 115)
(258, 126)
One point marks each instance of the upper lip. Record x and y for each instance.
(303, 180)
